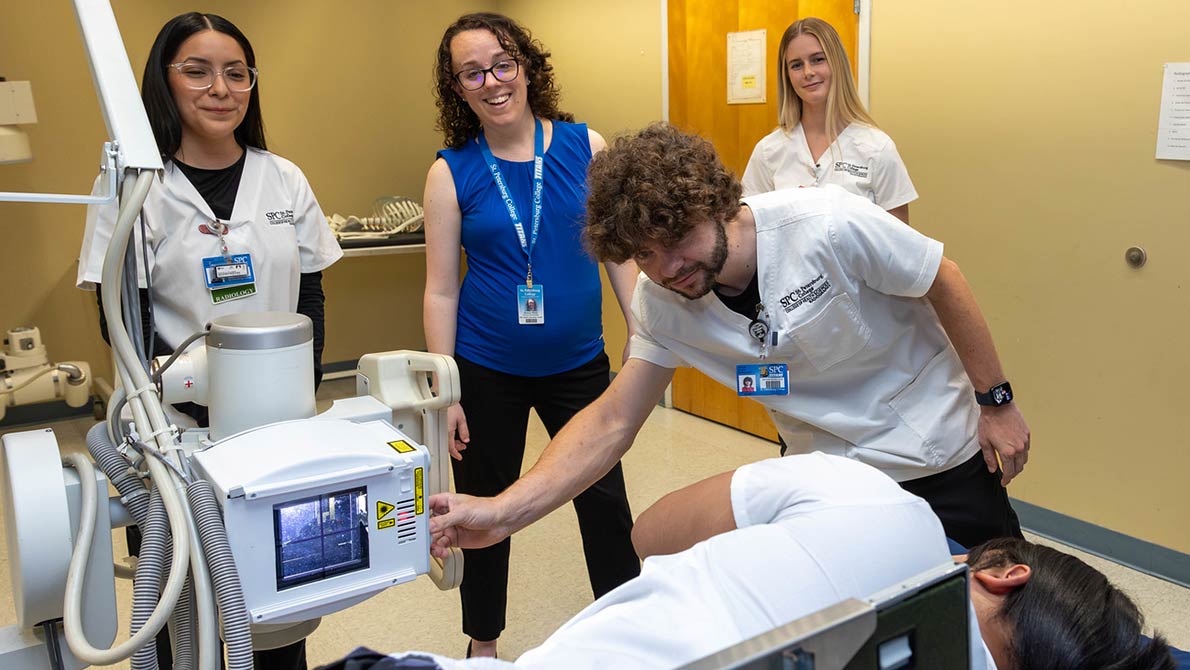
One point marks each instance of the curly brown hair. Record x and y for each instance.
(655, 186)
(455, 119)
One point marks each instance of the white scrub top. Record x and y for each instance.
(275, 218)
(812, 530)
(872, 374)
(862, 160)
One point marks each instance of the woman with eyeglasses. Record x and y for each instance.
(825, 136)
(223, 197)
(524, 324)
(230, 227)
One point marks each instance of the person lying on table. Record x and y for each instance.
(746, 551)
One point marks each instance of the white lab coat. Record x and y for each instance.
(862, 160)
(276, 219)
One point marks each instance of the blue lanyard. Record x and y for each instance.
(538, 159)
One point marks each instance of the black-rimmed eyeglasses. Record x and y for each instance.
(199, 76)
(473, 79)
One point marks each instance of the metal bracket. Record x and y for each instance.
(108, 169)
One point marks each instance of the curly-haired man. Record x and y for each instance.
(864, 341)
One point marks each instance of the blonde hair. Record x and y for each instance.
(843, 106)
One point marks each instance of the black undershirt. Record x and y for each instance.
(217, 187)
(746, 302)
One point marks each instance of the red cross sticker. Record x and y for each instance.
(188, 383)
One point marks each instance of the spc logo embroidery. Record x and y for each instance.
(281, 217)
(805, 294)
(860, 171)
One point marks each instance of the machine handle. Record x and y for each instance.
(380, 369)
(447, 372)
(447, 574)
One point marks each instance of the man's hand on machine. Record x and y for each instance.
(464, 521)
(1003, 434)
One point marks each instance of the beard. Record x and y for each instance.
(707, 271)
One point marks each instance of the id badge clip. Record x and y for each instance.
(530, 303)
(762, 379)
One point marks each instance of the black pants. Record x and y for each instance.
(497, 408)
(969, 501)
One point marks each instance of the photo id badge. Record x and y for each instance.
(762, 379)
(229, 277)
(530, 305)
(224, 271)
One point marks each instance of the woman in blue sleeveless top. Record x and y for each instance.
(524, 324)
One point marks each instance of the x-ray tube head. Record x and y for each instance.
(320, 514)
(260, 370)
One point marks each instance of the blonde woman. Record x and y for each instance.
(825, 134)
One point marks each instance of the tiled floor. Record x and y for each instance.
(548, 581)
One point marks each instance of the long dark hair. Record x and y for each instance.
(1068, 615)
(455, 118)
(159, 99)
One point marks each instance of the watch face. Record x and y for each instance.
(1001, 395)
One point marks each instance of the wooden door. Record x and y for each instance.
(698, 103)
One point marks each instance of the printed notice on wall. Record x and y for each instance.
(745, 67)
(1173, 127)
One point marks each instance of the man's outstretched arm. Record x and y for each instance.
(582, 452)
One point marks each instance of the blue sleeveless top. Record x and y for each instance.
(488, 332)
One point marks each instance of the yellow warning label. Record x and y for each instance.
(386, 523)
(418, 491)
(402, 446)
(383, 508)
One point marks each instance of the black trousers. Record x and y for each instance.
(969, 501)
(497, 408)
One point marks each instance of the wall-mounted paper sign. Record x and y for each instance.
(745, 67)
(1173, 126)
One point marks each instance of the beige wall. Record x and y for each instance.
(1029, 129)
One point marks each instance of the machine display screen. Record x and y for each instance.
(320, 536)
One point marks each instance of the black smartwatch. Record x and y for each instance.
(1000, 394)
